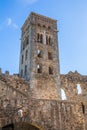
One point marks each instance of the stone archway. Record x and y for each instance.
(8, 127)
(21, 126)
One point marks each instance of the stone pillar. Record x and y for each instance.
(44, 37)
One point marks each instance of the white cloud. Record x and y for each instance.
(10, 23)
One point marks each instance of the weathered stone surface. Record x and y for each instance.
(69, 85)
(42, 71)
(35, 104)
(47, 114)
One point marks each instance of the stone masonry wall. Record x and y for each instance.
(69, 83)
(49, 114)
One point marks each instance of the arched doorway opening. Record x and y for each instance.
(8, 127)
(21, 126)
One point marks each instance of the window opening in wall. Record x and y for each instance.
(22, 73)
(38, 37)
(49, 27)
(26, 54)
(83, 108)
(20, 112)
(50, 55)
(63, 95)
(39, 68)
(39, 53)
(51, 70)
(39, 25)
(25, 69)
(79, 90)
(47, 40)
(41, 38)
(44, 26)
(23, 46)
(27, 40)
(22, 59)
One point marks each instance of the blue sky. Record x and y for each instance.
(72, 26)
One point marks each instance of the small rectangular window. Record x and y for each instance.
(50, 56)
(51, 70)
(27, 40)
(39, 68)
(23, 45)
(25, 69)
(26, 54)
(22, 59)
(22, 73)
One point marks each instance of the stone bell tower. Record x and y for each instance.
(39, 58)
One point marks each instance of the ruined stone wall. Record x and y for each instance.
(69, 83)
(13, 90)
(48, 115)
(57, 115)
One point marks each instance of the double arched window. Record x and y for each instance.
(39, 38)
(48, 40)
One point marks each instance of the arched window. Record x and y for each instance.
(38, 37)
(26, 54)
(39, 68)
(25, 69)
(44, 26)
(20, 112)
(39, 53)
(22, 59)
(50, 55)
(83, 108)
(27, 40)
(79, 90)
(41, 38)
(63, 95)
(47, 40)
(50, 70)
(49, 27)
(39, 25)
